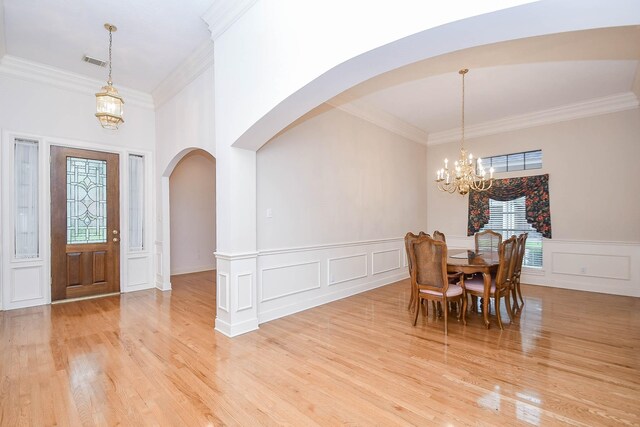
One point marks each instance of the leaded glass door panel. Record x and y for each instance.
(85, 223)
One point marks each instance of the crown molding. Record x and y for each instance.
(367, 112)
(13, 66)
(191, 68)
(589, 108)
(223, 13)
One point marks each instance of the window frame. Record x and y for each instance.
(535, 238)
(487, 162)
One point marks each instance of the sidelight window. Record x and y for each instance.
(26, 199)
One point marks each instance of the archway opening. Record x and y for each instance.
(189, 223)
(192, 203)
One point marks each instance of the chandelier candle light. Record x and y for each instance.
(464, 176)
(109, 104)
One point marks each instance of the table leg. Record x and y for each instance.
(485, 298)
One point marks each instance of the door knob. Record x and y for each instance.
(115, 232)
(115, 240)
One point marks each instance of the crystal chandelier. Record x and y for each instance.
(464, 176)
(109, 104)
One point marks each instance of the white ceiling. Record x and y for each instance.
(507, 79)
(433, 104)
(153, 37)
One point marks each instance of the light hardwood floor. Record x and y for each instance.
(153, 358)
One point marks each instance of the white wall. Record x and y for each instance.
(193, 213)
(594, 210)
(44, 109)
(335, 178)
(55, 107)
(186, 121)
(342, 193)
(183, 123)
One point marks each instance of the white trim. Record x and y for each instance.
(34, 71)
(237, 328)
(373, 269)
(591, 242)
(236, 256)
(578, 110)
(223, 13)
(297, 291)
(189, 270)
(191, 68)
(250, 305)
(224, 307)
(279, 251)
(366, 269)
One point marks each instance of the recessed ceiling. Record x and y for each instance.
(153, 37)
(433, 104)
(507, 79)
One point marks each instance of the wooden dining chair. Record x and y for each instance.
(438, 235)
(517, 271)
(429, 281)
(487, 241)
(452, 277)
(409, 238)
(501, 282)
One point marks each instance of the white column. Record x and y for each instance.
(236, 256)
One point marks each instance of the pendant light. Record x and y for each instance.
(109, 104)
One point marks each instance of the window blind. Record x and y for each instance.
(509, 218)
(26, 199)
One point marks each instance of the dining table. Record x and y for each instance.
(469, 262)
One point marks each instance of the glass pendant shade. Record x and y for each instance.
(109, 107)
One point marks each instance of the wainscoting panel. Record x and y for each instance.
(383, 261)
(245, 292)
(594, 266)
(603, 266)
(222, 286)
(138, 272)
(347, 268)
(286, 280)
(26, 285)
(295, 279)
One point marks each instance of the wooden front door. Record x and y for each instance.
(85, 223)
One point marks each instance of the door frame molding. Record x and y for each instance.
(41, 266)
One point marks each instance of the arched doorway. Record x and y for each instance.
(187, 237)
(192, 204)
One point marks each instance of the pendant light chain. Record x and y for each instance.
(110, 42)
(463, 73)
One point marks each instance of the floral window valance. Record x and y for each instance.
(534, 188)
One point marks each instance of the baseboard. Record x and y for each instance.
(187, 270)
(163, 286)
(237, 329)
